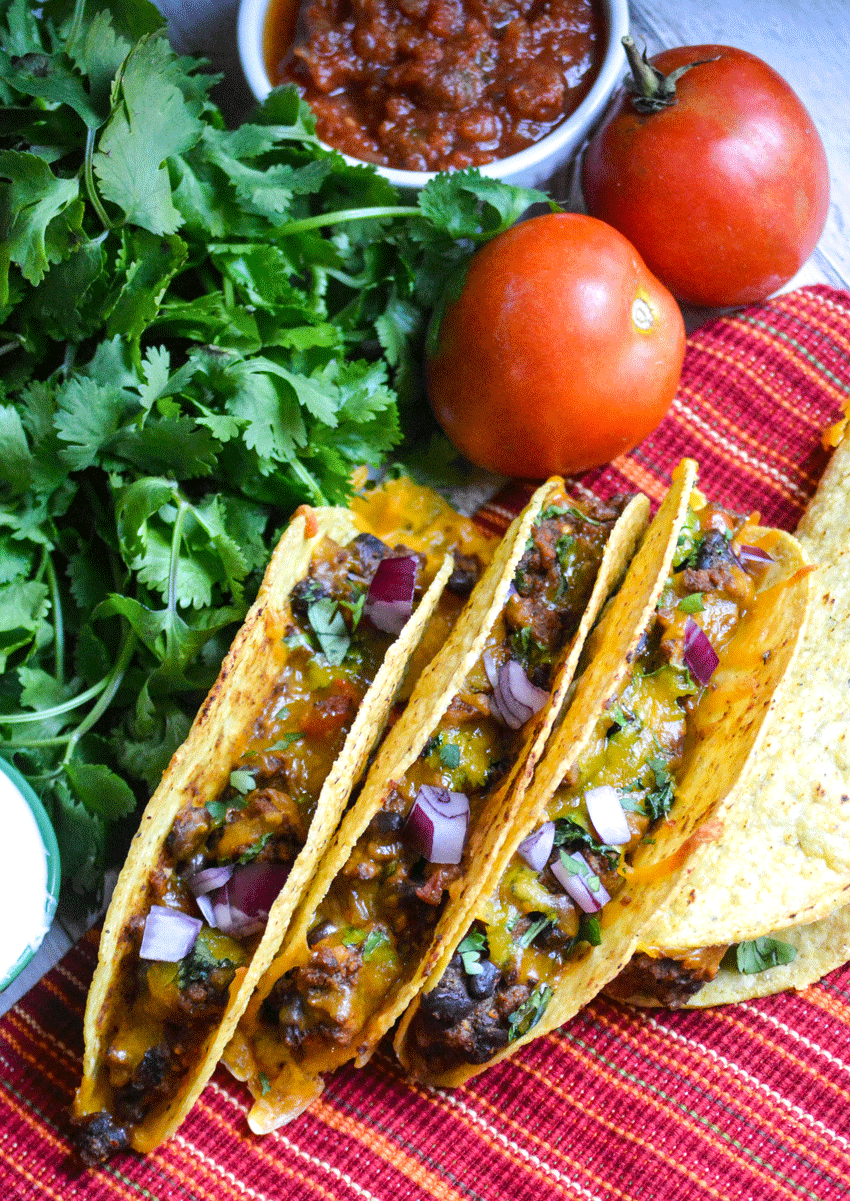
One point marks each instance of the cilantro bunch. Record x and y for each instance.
(200, 328)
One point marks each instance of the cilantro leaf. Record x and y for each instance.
(529, 1013)
(470, 950)
(330, 629)
(763, 953)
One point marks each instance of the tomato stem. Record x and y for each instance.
(651, 90)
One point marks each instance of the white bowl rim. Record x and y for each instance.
(249, 38)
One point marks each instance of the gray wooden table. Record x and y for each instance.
(807, 43)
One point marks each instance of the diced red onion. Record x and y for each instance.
(515, 699)
(389, 601)
(700, 656)
(536, 849)
(589, 900)
(208, 879)
(607, 815)
(207, 909)
(169, 934)
(754, 559)
(241, 906)
(438, 822)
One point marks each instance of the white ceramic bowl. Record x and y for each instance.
(531, 166)
(29, 873)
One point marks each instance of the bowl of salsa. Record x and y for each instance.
(512, 87)
(29, 873)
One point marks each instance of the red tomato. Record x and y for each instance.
(560, 351)
(725, 192)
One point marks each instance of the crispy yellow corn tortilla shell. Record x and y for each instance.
(198, 772)
(731, 718)
(821, 947)
(784, 855)
(290, 1089)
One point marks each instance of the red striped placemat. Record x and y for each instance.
(746, 1102)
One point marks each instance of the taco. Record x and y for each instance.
(233, 834)
(667, 711)
(474, 728)
(783, 859)
(793, 957)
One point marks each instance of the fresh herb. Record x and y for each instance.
(536, 927)
(355, 609)
(659, 801)
(202, 328)
(621, 718)
(354, 936)
(450, 756)
(470, 951)
(688, 542)
(763, 953)
(328, 624)
(374, 939)
(265, 1084)
(254, 850)
(565, 551)
(589, 930)
(529, 1012)
(285, 741)
(217, 810)
(570, 833)
(578, 867)
(242, 781)
(196, 967)
(693, 603)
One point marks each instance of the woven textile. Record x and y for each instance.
(742, 1102)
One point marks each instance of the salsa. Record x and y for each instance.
(427, 85)
(514, 956)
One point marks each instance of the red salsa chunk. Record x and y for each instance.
(427, 85)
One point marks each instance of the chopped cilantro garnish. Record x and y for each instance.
(529, 1013)
(217, 810)
(577, 867)
(374, 939)
(621, 718)
(530, 933)
(589, 930)
(570, 833)
(692, 603)
(659, 801)
(450, 755)
(328, 624)
(688, 542)
(265, 1083)
(285, 741)
(242, 781)
(763, 953)
(470, 952)
(354, 936)
(355, 608)
(253, 851)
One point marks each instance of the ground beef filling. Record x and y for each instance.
(669, 980)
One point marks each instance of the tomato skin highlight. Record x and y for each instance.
(540, 365)
(726, 192)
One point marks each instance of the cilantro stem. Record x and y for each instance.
(88, 175)
(115, 678)
(19, 719)
(362, 214)
(174, 562)
(107, 687)
(76, 25)
(58, 623)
